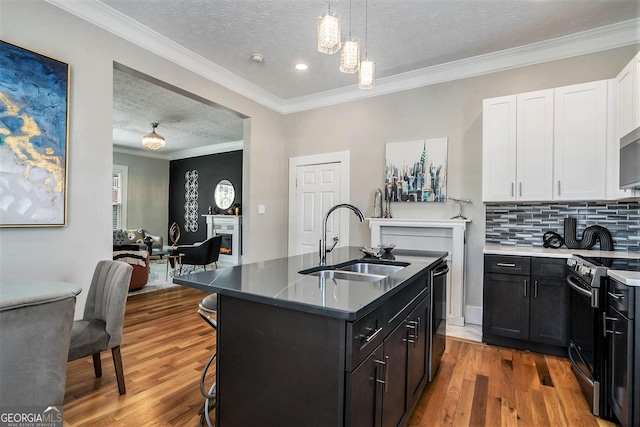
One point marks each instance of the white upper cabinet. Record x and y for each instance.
(580, 141)
(534, 145)
(499, 149)
(546, 145)
(625, 118)
(517, 150)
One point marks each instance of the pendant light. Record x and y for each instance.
(329, 31)
(350, 56)
(367, 73)
(153, 141)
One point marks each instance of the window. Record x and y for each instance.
(119, 196)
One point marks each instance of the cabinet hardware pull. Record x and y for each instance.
(378, 380)
(418, 334)
(525, 287)
(535, 289)
(558, 187)
(608, 331)
(409, 340)
(520, 189)
(373, 335)
(386, 373)
(617, 297)
(505, 264)
(512, 189)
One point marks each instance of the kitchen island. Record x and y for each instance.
(301, 349)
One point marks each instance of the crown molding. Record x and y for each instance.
(590, 41)
(603, 38)
(121, 25)
(206, 150)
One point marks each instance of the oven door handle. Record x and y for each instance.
(578, 288)
(575, 365)
(592, 295)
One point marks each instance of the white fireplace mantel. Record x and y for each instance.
(430, 235)
(227, 224)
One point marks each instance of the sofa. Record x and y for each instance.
(134, 240)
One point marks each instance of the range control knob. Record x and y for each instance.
(571, 262)
(585, 271)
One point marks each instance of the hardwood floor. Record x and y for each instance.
(166, 344)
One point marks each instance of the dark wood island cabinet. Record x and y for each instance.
(297, 349)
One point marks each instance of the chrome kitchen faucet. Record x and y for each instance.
(323, 241)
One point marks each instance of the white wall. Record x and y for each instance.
(452, 110)
(70, 253)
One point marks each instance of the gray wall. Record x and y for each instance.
(147, 193)
(452, 110)
(449, 109)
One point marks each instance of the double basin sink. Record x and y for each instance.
(359, 270)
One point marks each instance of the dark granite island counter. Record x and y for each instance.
(302, 350)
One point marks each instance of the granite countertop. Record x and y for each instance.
(278, 283)
(629, 278)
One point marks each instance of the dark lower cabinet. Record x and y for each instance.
(383, 390)
(526, 303)
(366, 385)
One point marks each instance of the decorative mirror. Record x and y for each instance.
(224, 194)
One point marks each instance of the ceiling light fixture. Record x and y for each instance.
(329, 31)
(350, 56)
(367, 74)
(153, 141)
(301, 66)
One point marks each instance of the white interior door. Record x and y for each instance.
(318, 189)
(316, 183)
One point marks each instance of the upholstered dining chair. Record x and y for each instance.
(100, 328)
(34, 341)
(202, 254)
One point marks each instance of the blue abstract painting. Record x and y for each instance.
(34, 111)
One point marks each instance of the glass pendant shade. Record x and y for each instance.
(329, 32)
(153, 141)
(367, 74)
(350, 57)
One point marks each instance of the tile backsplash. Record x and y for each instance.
(524, 224)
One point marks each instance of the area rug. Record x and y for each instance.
(157, 278)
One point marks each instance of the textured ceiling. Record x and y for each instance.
(403, 36)
(184, 122)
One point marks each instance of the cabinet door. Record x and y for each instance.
(395, 358)
(626, 100)
(636, 89)
(364, 392)
(549, 311)
(417, 350)
(620, 366)
(499, 149)
(506, 306)
(580, 137)
(534, 136)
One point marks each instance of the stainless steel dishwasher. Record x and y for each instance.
(438, 332)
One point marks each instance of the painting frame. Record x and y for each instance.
(34, 138)
(416, 171)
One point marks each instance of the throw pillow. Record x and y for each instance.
(120, 238)
(136, 236)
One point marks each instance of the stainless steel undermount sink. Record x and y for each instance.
(357, 270)
(370, 268)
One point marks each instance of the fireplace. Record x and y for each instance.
(226, 248)
(230, 228)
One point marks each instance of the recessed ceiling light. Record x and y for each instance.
(301, 67)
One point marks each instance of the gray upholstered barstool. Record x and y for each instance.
(207, 308)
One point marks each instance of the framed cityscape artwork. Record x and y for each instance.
(416, 171)
(34, 122)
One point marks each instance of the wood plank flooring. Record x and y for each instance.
(166, 344)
